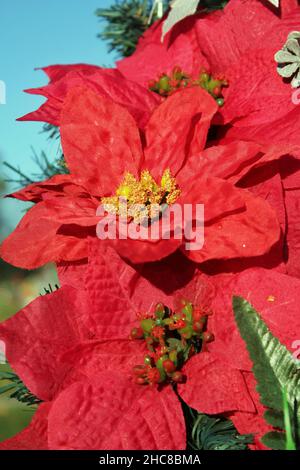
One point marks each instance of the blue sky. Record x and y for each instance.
(36, 33)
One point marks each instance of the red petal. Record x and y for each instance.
(104, 136)
(34, 437)
(236, 159)
(73, 210)
(153, 57)
(36, 191)
(273, 295)
(177, 129)
(246, 234)
(253, 423)
(222, 36)
(214, 387)
(90, 358)
(36, 241)
(37, 336)
(111, 413)
(105, 82)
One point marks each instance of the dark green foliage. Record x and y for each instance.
(16, 389)
(277, 374)
(49, 289)
(212, 432)
(126, 21)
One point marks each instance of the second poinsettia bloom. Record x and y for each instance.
(118, 172)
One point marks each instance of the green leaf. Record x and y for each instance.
(274, 367)
(275, 418)
(274, 440)
(288, 426)
(212, 432)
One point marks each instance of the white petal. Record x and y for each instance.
(293, 46)
(288, 70)
(283, 57)
(296, 80)
(294, 35)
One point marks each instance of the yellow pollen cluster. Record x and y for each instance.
(142, 199)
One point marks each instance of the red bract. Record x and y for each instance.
(275, 297)
(105, 82)
(71, 348)
(101, 143)
(258, 103)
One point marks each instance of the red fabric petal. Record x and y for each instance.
(90, 358)
(110, 413)
(37, 241)
(214, 387)
(35, 192)
(246, 234)
(145, 285)
(153, 57)
(34, 437)
(104, 136)
(236, 159)
(177, 129)
(273, 295)
(73, 210)
(58, 71)
(113, 315)
(72, 273)
(253, 423)
(229, 28)
(36, 337)
(105, 82)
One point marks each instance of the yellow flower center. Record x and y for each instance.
(142, 199)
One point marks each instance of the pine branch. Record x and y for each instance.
(212, 432)
(17, 389)
(125, 21)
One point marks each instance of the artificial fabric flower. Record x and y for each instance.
(275, 297)
(107, 159)
(72, 349)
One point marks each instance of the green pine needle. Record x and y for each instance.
(126, 21)
(16, 389)
(212, 432)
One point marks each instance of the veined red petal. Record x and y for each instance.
(100, 141)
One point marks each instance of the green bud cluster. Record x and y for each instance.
(172, 337)
(166, 84)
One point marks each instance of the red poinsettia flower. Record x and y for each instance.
(258, 102)
(106, 158)
(275, 297)
(72, 349)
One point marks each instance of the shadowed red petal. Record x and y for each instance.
(229, 28)
(153, 57)
(36, 337)
(214, 387)
(112, 413)
(105, 82)
(36, 241)
(252, 423)
(73, 210)
(248, 233)
(177, 129)
(100, 140)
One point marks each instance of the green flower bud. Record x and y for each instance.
(147, 325)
